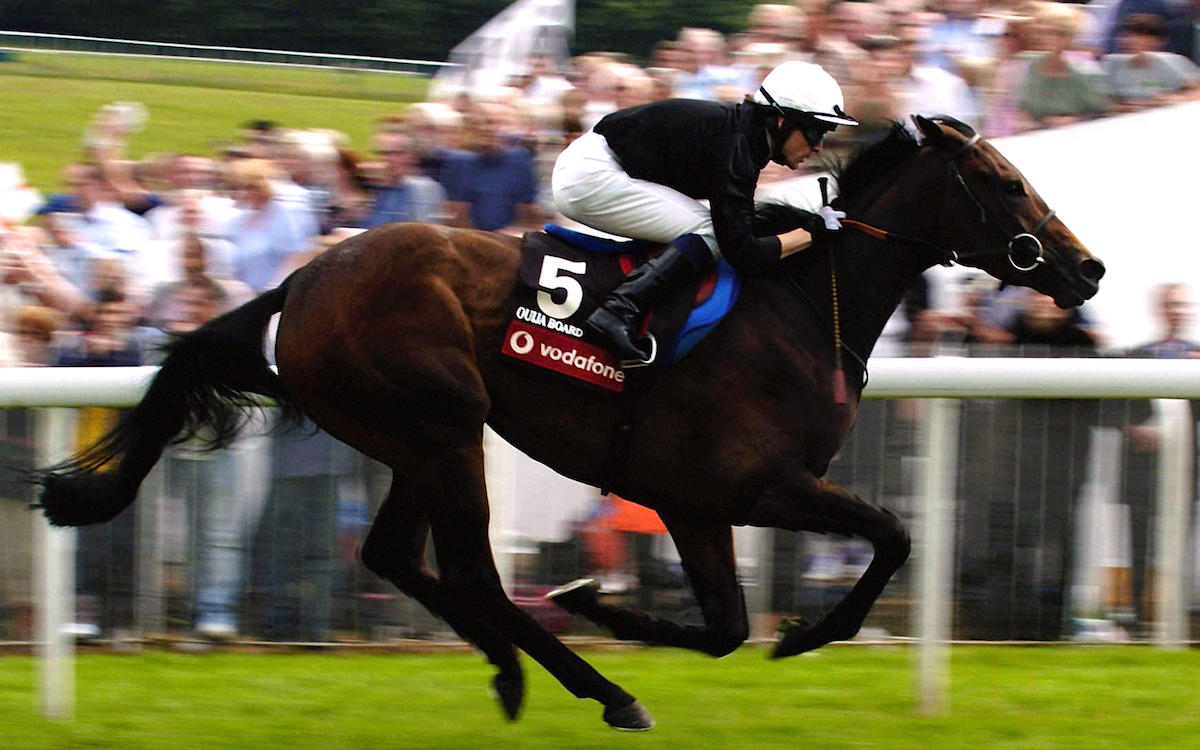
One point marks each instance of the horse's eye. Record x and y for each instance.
(1014, 188)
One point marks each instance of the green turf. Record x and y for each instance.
(46, 102)
(839, 698)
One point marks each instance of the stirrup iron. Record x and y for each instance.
(633, 364)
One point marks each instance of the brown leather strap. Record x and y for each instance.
(866, 229)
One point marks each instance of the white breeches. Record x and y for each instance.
(591, 187)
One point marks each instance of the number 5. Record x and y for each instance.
(550, 279)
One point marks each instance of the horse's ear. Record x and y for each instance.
(930, 129)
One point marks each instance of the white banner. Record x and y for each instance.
(1127, 187)
(501, 48)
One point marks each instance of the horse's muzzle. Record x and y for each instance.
(1081, 284)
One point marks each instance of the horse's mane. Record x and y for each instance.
(872, 161)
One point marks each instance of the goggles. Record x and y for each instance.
(810, 127)
(813, 130)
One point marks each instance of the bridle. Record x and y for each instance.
(1021, 245)
(1024, 250)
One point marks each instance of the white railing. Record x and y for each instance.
(68, 43)
(941, 379)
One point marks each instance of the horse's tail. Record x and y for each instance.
(209, 383)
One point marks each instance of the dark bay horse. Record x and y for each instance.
(390, 341)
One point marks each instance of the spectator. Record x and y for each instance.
(1142, 73)
(1057, 89)
(715, 79)
(1002, 115)
(190, 181)
(492, 186)
(434, 131)
(1174, 310)
(294, 544)
(104, 558)
(104, 223)
(687, 60)
(34, 327)
(66, 249)
(180, 306)
(546, 83)
(266, 233)
(775, 23)
(406, 194)
(959, 37)
(50, 277)
(350, 198)
(205, 481)
(1042, 327)
(837, 47)
(972, 323)
(108, 338)
(1185, 37)
(907, 86)
(304, 159)
(258, 138)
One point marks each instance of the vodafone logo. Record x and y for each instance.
(563, 354)
(521, 342)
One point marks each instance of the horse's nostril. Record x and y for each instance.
(1092, 270)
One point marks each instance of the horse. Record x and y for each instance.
(390, 342)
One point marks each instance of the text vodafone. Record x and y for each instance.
(590, 364)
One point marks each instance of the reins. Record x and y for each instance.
(950, 256)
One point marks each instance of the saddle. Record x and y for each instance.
(564, 275)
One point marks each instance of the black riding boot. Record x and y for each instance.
(642, 288)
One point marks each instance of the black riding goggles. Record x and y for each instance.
(813, 130)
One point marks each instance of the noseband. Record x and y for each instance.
(1025, 251)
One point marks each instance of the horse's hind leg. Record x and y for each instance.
(395, 550)
(457, 502)
(810, 504)
(706, 551)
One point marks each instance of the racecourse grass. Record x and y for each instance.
(841, 697)
(47, 101)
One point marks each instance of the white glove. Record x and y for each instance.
(832, 217)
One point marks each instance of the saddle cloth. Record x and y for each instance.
(563, 277)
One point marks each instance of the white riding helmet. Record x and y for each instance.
(804, 87)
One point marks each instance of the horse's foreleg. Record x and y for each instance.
(395, 550)
(812, 504)
(706, 552)
(457, 502)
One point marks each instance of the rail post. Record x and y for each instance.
(55, 576)
(935, 555)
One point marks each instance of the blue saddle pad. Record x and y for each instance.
(703, 317)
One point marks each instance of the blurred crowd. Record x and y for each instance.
(135, 249)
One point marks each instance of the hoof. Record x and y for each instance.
(510, 692)
(799, 636)
(576, 595)
(632, 717)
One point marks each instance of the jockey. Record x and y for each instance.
(641, 173)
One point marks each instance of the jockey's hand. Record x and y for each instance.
(832, 217)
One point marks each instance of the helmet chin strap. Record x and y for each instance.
(776, 138)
